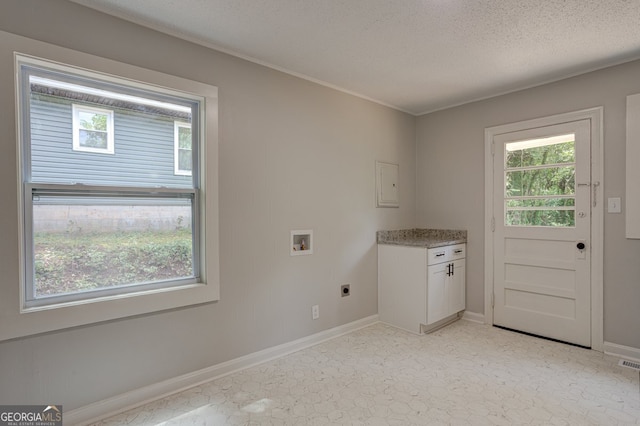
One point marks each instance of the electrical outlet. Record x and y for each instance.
(315, 312)
(345, 290)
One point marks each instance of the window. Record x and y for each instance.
(92, 129)
(121, 231)
(540, 182)
(105, 227)
(183, 155)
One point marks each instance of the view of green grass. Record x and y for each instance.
(69, 262)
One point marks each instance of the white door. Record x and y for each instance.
(542, 213)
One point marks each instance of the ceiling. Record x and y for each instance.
(417, 56)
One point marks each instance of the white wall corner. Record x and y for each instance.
(473, 317)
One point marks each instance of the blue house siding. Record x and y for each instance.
(144, 149)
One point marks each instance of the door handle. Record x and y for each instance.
(580, 246)
(594, 186)
(450, 269)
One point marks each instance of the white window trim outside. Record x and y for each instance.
(176, 151)
(77, 109)
(18, 321)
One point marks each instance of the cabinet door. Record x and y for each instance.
(456, 287)
(437, 300)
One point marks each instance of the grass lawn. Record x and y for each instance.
(69, 262)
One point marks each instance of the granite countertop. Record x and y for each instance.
(428, 238)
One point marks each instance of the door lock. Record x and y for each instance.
(581, 253)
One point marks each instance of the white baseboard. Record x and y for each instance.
(473, 317)
(622, 351)
(129, 400)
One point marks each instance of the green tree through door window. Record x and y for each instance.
(540, 182)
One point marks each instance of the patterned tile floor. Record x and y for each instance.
(464, 374)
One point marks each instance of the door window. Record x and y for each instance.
(540, 182)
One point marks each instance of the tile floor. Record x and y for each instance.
(464, 374)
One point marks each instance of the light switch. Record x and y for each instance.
(614, 205)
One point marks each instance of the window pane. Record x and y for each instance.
(558, 218)
(545, 181)
(92, 139)
(185, 160)
(93, 121)
(91, 244)
(541, 202)
(142, 128)
(184, 137)
(537, 152)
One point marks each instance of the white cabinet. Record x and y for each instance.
(445, 290)
(420, 289)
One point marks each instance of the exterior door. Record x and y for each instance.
(542, 213)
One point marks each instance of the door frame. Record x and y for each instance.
(595, 116)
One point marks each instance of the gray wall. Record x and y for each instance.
(293, 155)
(450, 176)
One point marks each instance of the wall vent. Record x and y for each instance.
(629, 364)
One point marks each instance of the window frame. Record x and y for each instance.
(33, 188)
(176, 150)
(76, 110)
(22, 320)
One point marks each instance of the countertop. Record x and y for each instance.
(428, 238)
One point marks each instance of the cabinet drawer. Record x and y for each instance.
(458, 251)
(437, 255)
(446, 253)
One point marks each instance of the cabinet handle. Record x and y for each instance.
(449, 270)
(452, 269)
(439, 254)
(458, 251)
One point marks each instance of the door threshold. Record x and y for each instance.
(542, 337)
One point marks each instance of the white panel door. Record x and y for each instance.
(542, 213)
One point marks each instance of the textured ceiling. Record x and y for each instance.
(414, 55)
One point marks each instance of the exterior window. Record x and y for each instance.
(92, 129)
(105, 226)
(183, 155)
